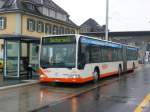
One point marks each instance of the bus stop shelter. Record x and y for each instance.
(19, 53)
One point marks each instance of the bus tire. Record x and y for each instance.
(96, 75)
(119, 70)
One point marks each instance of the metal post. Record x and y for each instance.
(19, 53)
(39, 56)
(5, 58)
(107, 11)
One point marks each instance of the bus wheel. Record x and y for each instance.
(119, 70)
(95, 75)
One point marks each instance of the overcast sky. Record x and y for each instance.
(124, 15)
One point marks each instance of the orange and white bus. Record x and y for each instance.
(78, 58)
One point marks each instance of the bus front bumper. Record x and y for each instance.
(66, 80)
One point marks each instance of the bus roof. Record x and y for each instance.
(79, 36)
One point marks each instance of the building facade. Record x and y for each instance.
(34, 18)
(90, 26)
(22, 24)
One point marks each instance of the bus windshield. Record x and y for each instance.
(58, 55)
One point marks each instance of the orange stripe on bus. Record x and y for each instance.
(66, 80)
(75, 80)
(108, 74)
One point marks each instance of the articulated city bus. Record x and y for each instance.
(78, 58)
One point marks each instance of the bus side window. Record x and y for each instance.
(82, 61)
(87, 54)
(82, 56)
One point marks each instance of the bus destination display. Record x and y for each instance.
(53, 40)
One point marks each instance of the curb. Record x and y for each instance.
(26, 83)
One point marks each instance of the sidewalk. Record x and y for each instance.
(11, 83)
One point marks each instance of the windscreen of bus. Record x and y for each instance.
(58, 52)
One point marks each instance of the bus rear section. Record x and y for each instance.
(132, 58)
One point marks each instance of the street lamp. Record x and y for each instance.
(106, 27)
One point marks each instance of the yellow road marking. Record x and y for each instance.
(143, 104)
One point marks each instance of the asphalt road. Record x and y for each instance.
(111, 94)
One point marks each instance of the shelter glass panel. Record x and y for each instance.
(12, 59)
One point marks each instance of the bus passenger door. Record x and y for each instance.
(124, 56)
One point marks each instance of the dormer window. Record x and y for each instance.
(52, 13)
(45, 11)
(65, 17)
(31, 6)
(61, 16)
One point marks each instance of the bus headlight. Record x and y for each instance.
(74, 76)
(41, 76)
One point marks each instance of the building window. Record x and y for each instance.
(72, 31)
(31, 25)
(40, 27)
(82, 30)
(48, 28)
(67, 31)
(61, 30)
(2, 23)
(55, 29)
